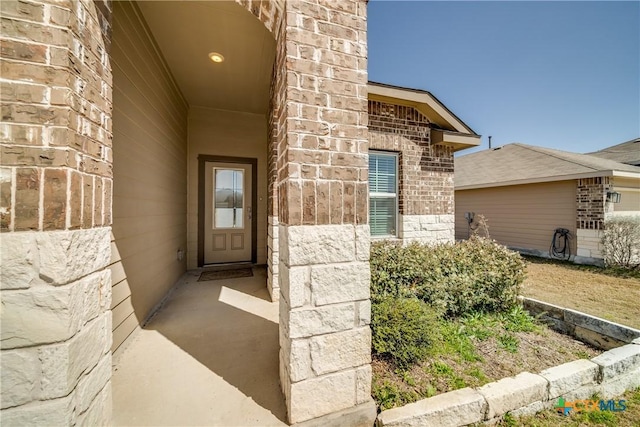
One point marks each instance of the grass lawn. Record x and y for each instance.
(611, 294)
(628, 418)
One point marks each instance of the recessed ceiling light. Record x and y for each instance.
(216, 57)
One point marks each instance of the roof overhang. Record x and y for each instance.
(459, 141)
(538, 180)
(453, 130)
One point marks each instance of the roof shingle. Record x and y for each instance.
(628, 152)
(518, 163)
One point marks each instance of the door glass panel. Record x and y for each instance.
(228, 198)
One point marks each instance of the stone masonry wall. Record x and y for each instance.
(591, 194)
(589, 246)
(323, 231)
(55, 213)
(426, 190)
(277, 132)
(426, 228)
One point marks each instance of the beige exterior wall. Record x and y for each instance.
(629, 190)
(150, 174)
(521, 216)
(233, 134)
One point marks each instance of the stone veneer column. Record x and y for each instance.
(273, 257)
(321, 84)
(55, 213)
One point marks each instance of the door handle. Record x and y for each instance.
(249, 212)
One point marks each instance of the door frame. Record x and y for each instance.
(203, 159)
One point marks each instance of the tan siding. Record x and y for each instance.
(122, 332)
(522, 216)
(150, 174)
(629, 190)
(120, 291)
(121, 312)
(117, 272)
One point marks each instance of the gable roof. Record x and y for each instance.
(628, 152)
(447, 129)
(517, 163)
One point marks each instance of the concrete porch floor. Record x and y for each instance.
(209, 357)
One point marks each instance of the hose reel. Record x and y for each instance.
(560, 244)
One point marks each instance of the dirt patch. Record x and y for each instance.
(537, 351)
(497, 356)
(599, 292)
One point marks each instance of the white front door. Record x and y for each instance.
(228, 213)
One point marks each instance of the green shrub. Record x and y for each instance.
(396, 270)
(402, 329)
(621, 242)
(474, 275)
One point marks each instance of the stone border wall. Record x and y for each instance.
(593, 330)
(609, 375)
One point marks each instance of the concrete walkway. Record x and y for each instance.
(208, 358)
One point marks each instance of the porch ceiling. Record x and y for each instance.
(186, 32)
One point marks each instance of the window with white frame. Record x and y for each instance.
(383, 193)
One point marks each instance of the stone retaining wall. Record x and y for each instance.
(598, 332)
(609, 375)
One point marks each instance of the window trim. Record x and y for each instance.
(396, 195)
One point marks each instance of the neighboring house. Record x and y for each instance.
(627, 152)
(526, 193)
(128, 157)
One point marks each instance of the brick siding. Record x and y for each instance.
(322, 155)
(425, 170)
(55, 134)
(591, 196)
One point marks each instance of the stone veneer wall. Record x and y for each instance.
(276, 131)
(56, 188)
(589, 246)
(426, 190)
(273, 257)
(320, 123)
(427, 228)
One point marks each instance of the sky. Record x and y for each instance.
(562, 75)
